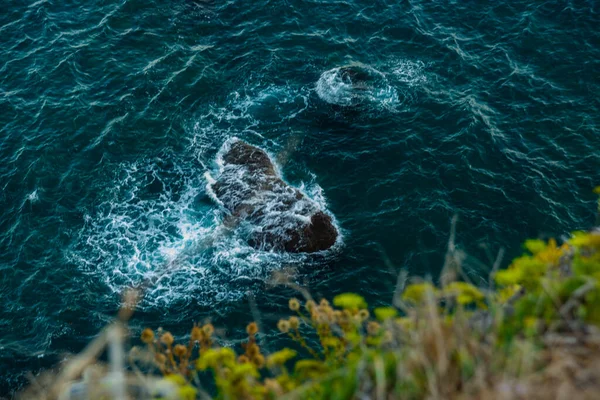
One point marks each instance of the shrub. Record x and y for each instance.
(439, 341)
(532, 334)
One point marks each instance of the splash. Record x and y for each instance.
(279, 217)
(158, 227)
(356, 84)
(362, 85)
(409, 73)
(248, 111)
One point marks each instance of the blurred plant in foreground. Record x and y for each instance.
(532, 334)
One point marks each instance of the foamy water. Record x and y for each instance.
(392, 116)
(158, 228)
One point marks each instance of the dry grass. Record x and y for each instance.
(534, 337)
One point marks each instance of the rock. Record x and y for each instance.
(253, 158)
(279, 216)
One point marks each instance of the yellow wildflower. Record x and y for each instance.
(187, 392)
(551, 253)
(294, 322)
(176, 379)
(252, 329)
(331, 341)
(294, 304)
(245, 370)
(464, 292)
(283, 326)
(417, 292)
(530, 322)
(383, 313)
(280, 357)
(167, 338)
(525, 271)
(147, 336)
(535, 245)
(349, 301)
(508, 277)
(353, 338)
(404, 323)
(308, 366)
(506, 293)
(212, 358)
(585, 240)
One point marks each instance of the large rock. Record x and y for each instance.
(279, 217)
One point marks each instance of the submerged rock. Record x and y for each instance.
(356, 85)
(280, 217)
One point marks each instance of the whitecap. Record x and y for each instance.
(356, 84)
(276, 209)
(33, 197)
(159, 226)
(155, 230)
(410, 73)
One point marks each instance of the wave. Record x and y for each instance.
(262, 207)
(158, 227)
(248, 111)
(359, 84)
(408, 73)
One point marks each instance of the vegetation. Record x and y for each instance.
(532, 333)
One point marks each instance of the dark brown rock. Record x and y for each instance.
(253, 158)
(278, 216)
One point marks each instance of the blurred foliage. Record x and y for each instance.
(532, 333)
(435, 341)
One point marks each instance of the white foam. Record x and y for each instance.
(336, 86)
(276, 211)
(152, 228)
(410, 73)
(244, 112)
(33, 197)
(388, 90)
(332, 89)
(139, 235)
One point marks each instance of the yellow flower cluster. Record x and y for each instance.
(171, 358)
(252, 352)
(399, 349)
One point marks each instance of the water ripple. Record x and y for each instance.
(397, 115)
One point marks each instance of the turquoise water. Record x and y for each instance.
(112, 113)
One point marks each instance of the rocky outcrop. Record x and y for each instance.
(279, 216)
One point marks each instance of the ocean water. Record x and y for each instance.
(394, 116)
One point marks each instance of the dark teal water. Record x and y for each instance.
(112, 113)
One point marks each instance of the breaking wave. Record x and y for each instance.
(276, 208)
(158, 226)
(361, 85)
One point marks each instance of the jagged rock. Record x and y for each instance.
(281, 217)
